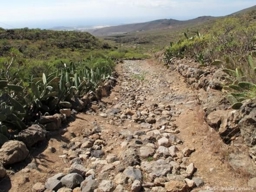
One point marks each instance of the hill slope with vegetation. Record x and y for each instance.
(40, 69)
(230, 43)
(37, 50)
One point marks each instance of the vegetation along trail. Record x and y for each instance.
(150, 134)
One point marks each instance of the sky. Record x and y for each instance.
(72, 13)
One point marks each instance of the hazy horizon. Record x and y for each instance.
(87, 13)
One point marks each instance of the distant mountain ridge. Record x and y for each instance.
(147, 26)
(151, 25)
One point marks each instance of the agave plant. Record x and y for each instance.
(12, 112)
(241, 90)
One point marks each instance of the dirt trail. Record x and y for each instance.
(149, 102)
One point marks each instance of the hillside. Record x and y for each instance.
(146, 26)
(158, 38)
(36, 51)
(45, 40)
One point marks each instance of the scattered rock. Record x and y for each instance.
(31, 135)
(187, 152)
(104, 115)
(107, 167)
(132, 173)
(120, 178)
(47, 119)
(114, 111)
(190, 169)
(106, 186)
(77, 168)
(176, 186)
(77, 189)
(72, 180)
(77, 104)
(164, 142)
(215, 118)
(157, 189)
(174, 140)
(53, 184)
(89, 185)
(13, 152)
(66, 112)
(38, 187)
(65, 189)
(125, 133)
(51, 122)
(173, 151)
(136, 186)
(247, 123)
(151, 120)
(190, 183)
(198, 181)
(163, 151)
(130, 157)
(111, 158)
(146, 151)
(157, 168)
(242, 162)
(252, 153)
(120, 188)
(87, 144)
(252, 182)
(97, 153)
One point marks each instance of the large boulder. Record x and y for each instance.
(241, 162)
(32, 135)
(248, 121)
(13, 152)
(216, 118)
(225, 122)
(219, 78)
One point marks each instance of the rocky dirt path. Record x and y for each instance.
(148, 135)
